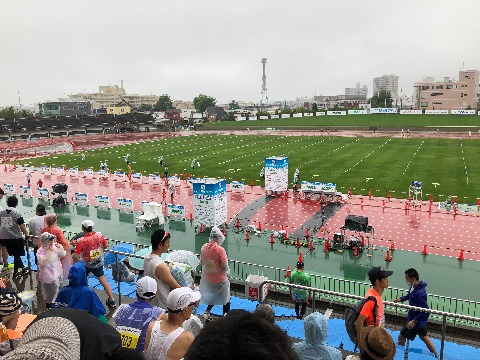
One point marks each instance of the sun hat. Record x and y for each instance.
(146, 287)
(180, 298)
(88, 224)
(9, 303)
(377, 343)
(53, 338)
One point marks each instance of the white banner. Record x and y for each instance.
(81, 198)
(175, 180)
(275, 117)
(263, 117)
(25, 190)
(46, 169)
(408, 112)
(43, 193)
(357, 112)
(60, 170)
(125, 204)
(9, 188)
(320, 113)
(327, 188)
(336, 112)
(285, 116)
(463, 112)
(101, 200)
(438, 112)
(154, 179)
(252, 117)
(241, 118)
(88, 173)
(103, 174)
(137, 177)
(73, 172)
(236, 186)
(308, 114)
(119, 176)
(175, 210)
(383, 110)
(297, 115)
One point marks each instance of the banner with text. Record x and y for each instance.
(411, 112)
(336, 112)
(88, 173)
(101, 200)
(60, 170)
(327, 188)
(25, 190)
(137, 177)
(119, 176)
(383, 110)
(73, 172)
(81, 198)
(125, 204)
(437, 112)
(357, 112)
(43, 193)
(463, 112)
(237, 186)
(175, 210)
(154, 179)
(9, 188)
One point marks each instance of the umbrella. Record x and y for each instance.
(184, 257)
(137, 263)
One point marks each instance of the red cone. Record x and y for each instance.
(461, 257)
(388, 257)
(247, 236)
(392, 246)
(237, 224)
(424, 252)
(370, 194)
(298, 243)
(311, 247)
(307, 234)
(454, 210)
(201, 228)
(327, 246)
(191, 216)
(286, 235)
(300, 257)
(288, 272)
(283, 227)
(259, 226)
(355, 251)
(272, 239)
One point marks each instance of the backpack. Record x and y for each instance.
(351, 316)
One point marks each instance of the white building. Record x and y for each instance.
(357, 90)
(386, 82)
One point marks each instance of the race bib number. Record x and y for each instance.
(129, 336)
(95, 254)
(6, 222)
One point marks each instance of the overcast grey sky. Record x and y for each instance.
(186, 47)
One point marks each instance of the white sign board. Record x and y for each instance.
(103, 174)
(9, 188)
(88, 173)
(237, 186)
(383, 110)
(357, 112)
(463, 112)
(154, 179)
(263, 117)
(175, 210)
(320, 113)
(137, 177)
(210, 202)
(43, 193)
(275, 117)
(101, 200)
(276, 174)
(73, 172)
(125, 204)
(336, 112)
(411, 112)
(119, 176)
(81, 198)
(298, 115)
(437, 112)
(25, 190)
(285, 116)
(308, 114)
(175, 180)
(327, 188)
(60, 170)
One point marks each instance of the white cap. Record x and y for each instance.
(87, 224)
(180, 298)
(146, 287)
(216, 235)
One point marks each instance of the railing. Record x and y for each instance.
(348, 298)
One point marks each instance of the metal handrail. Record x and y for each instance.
(443, 314)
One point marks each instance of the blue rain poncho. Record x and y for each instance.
(314, 347)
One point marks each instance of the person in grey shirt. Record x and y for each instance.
(35, 224)
(12, 226)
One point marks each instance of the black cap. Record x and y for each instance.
(378, 272)
(41, 209)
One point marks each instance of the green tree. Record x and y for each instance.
(164, 103)
(382, 99)
(201, 102)
(233, 105)
(10, 113)
(145, 107)
(229, 116)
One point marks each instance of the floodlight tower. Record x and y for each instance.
(264, 100)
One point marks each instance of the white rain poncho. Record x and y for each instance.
(314, 346)
(214, 284)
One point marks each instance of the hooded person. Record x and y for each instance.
(214, 284)
(52, 228)
(315, 346)
(50, 272)
(77, 295)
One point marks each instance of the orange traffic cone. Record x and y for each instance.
(288, 273)
(300, 257)
(307, 234)
(272, 239)
(247, 236)
(283, 227)
(286, 235)
(424, 252)
(259, 226)
(388, 257)
(201, 228)
(191, 216)
(298, 243)
(237, 224)
(327, 246)
(454, 210)
(355, 251)
(461, 257)
(311, 247)
(392, 246)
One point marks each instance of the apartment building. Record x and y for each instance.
(448, 94)
(386, 82)
(357, 90)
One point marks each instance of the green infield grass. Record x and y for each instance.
(445, 167)
(380, 120)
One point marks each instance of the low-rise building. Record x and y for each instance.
(64, 108)
(121, 108)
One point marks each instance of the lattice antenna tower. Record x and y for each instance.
(264, 100)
